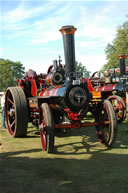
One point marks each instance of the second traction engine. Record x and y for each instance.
(59, 99)
(113, 86)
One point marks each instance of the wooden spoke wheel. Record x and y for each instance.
(106, 133)
(46, 128)
(119, 107)
(16, 111)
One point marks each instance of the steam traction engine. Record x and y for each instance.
(59, 99)
(113, 86)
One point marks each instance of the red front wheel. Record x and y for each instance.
(106, 133)
(119, 107)
(46, 128)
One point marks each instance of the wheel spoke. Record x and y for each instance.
(10, 101)
(13, 123)
(107, 134)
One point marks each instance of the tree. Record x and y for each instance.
(80, 68)
(9, 72)
(118, 46)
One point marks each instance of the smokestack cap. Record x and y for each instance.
(122, 56)
(68, 29)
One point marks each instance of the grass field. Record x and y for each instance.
(80, 164)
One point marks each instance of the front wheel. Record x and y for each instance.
(119, 107)
(106, 133)
(46, 128)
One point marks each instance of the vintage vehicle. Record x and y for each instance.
(59, 99)
(113, 86)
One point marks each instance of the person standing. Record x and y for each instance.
(3, 110)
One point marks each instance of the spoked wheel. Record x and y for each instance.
(119, 107)
(46, 128)
(16, 111)
(106, 133)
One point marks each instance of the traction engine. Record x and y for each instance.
(59, 99)
(113, 86)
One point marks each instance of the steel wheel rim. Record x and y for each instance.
(43, 134)
(10, 112)
(104, 131)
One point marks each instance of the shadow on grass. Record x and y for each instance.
(84, 146)
(87, 169)
(32, 132)
(36, 135)
(97, 172)
(89, 141)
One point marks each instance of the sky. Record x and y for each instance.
(29, 30)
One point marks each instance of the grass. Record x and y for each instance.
(80, 164)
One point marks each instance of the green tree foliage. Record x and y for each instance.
(80, 68)
(118, 46)
(9, 72)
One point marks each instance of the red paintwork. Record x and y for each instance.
(52, 92)
(106, 88)
(33, 88)
(78, 124)
(55, 107)
(71, 115)
(116, 70)
(89, 85)
(122, 56)
(36, 110)
(48, 79)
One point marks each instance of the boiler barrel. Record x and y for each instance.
(74, 97)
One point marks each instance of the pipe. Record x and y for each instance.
(69, 47)
(122, 58)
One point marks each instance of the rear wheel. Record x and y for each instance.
(16, 110)
(119, 107)
(46, 128)
(106, 133)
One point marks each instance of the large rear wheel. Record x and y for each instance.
(46, 128)
(16, 110)
(106, 133)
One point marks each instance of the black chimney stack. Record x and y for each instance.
(122, 64)
(69, 47)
